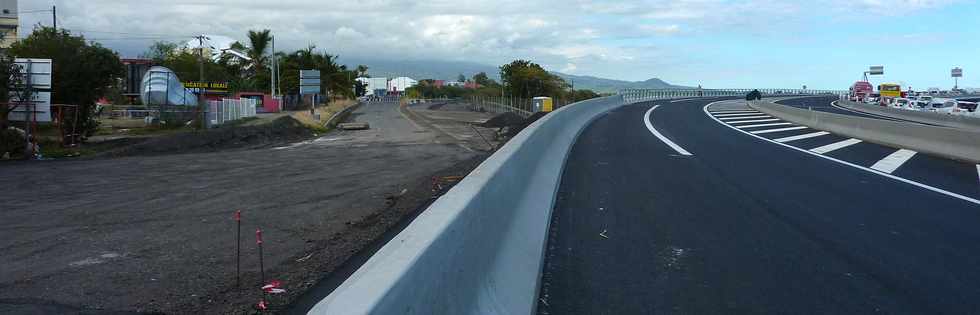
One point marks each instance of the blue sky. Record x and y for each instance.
(715, 43)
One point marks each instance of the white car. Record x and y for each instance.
(942, 105)
(902, 103)
(965, 108)
(922, 101)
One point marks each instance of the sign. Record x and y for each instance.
(957, 73)
(309, 82)
(877, 70)
(217, 87)
(39, 108)
(39, 71)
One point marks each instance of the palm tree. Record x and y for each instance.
(259, 41)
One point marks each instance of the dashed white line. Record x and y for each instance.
(735, 115)
(764, 125)
(803, 136)
(758, 132)
(744, 117)
(842, 162)
(671, 144)
(893, 161)
(835, 146)
(752, 121)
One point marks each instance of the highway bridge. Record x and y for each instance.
(697, 203)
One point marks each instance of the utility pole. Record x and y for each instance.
(54, 17)
(273, 74)
(200, 93)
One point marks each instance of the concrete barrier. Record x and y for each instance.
(338, 117)
(932, 118)
(958, 144)
(479, 248)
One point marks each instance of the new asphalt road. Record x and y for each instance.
(693, 209)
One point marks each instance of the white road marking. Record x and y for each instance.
(683, 99)
(893, 161)
(742, 114)
(735, 111)
(744, 117)
(803, 136)
(753, 121)
(907, 181)
(757, 132)
(836, 146)
(764, 125)
(671, 144)
(978, 171)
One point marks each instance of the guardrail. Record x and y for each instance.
(479, 248)
(631, 96)
(928, 117)
(957, 144)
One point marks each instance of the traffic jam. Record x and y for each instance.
(934, 99)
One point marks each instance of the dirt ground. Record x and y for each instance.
(155, 233)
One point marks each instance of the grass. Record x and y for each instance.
(326, 112)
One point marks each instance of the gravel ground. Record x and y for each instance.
(155, 233)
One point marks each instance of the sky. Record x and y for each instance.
(715, 43)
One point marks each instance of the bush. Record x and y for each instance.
(12, 142)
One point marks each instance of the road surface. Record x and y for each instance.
(761, 217)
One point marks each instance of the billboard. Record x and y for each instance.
(38, 73)
(957, 73)
(309, 82)
(216, 87)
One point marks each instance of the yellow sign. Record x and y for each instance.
(212, 86)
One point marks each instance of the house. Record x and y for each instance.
(374, 86)
(400, 84)
(9, 22)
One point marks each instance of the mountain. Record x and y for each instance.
(602, 85)
(450, 70)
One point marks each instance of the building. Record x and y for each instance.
(135, 69)
(472, 85)
(375, 86)
(400, 84)
(9, 22)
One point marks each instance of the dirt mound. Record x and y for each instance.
(515, 129)
(282, 130)
(503, 120)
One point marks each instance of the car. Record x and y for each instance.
(902, 103)
(942, 105)
(964, 108)
(922, 101)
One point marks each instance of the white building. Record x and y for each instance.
(9, 23)
(399, 84)
(374, 84)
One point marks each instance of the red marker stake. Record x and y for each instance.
(238, 250)
(258, 240)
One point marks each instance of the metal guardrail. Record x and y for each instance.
(631, 96)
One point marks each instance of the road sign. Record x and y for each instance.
(309, 82)
(957, 73)
(877, 70)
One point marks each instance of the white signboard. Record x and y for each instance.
(39, 108)
(957, 73)
(39, 70)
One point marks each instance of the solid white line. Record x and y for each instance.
(764, 125)
(734, 115)
(757, 132)
(893, 161)
(803, 136)
(752, 121)
(978, 171)
(911, 182)
(671, 144)
(836, 146)
(683, 99)
(744, 117)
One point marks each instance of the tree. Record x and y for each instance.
(362, 71)
(12, 87)
(160, 51)
(82, 72)
(482, 79)
(461, 78)
(526, 79)
(259, 42)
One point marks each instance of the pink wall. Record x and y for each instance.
(269, 104)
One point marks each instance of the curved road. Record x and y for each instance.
(756, 220)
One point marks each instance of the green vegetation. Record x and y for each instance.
(521, 79)
(83, 72)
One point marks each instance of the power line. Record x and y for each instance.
(129, 33)
(34, 11)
